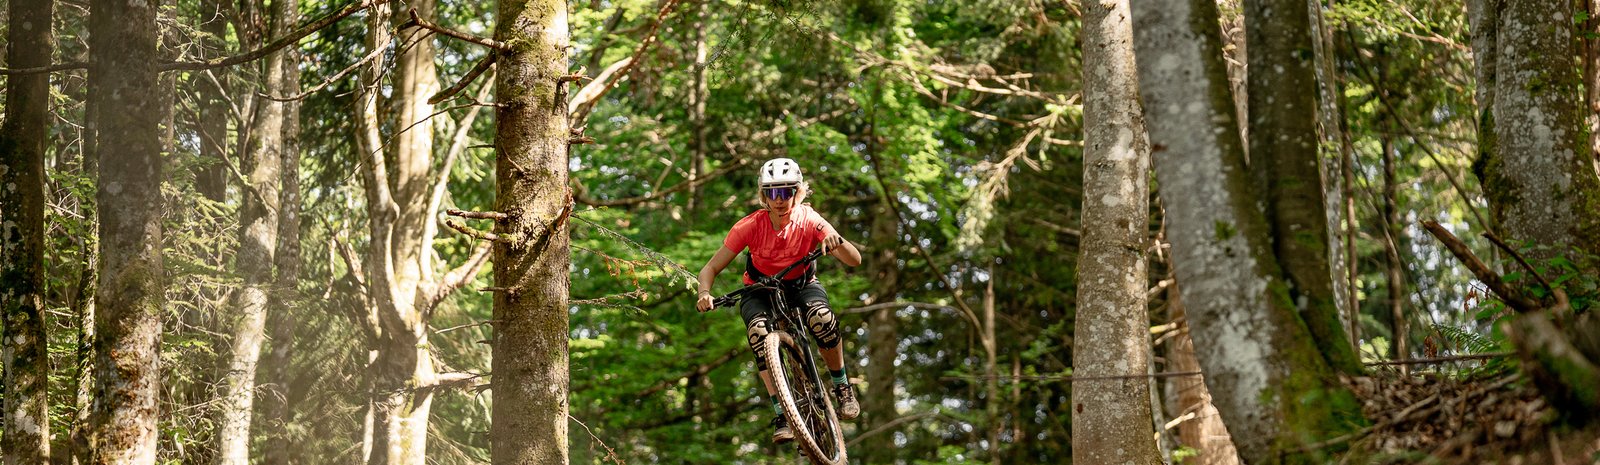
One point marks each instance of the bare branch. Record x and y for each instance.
(579, 112)
(1512, 296)
(460, 276)
(281, 42)
(419, 22)
(497, 216)
(480, 235)
(478, 69)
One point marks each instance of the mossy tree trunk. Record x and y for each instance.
(1283, 149)
(129, 297)
(1539, 174)
(1111, 417)
(529, 413)
(1272, 385)
(22, 146)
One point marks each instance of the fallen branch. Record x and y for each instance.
(1511, 296)
(1455, 358)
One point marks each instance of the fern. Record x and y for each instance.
(1468, 341)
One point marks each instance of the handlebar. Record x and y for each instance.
(769, 281)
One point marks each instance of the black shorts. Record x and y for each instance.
(756, 303)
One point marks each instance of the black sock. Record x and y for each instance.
(838, 376)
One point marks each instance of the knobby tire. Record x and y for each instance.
(816, 428)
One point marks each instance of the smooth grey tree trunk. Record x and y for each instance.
(1111, 418)
(381, 214)
(282, 319)
(1199, 425)
(129, 297)
(1283, 149)
(22, 147)
(1261, 364)
(1540, 179)
(529, 413)
(402, 238)
(1334, 150)
(258, 242)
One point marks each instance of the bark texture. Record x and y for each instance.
(281, 395)
(1111, 417)
(1540, 176)
(530, 265)
(1258, 355)
(129, 299)
(1334, 149)
(258, 242)
(1199, 425)
(1282, 90)
(26, 438)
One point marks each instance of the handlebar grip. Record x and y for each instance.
(723, 302)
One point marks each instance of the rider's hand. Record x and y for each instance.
(704, 303)
(831, 241)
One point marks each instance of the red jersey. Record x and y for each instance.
(772, 249)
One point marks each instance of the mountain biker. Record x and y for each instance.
(782, 232)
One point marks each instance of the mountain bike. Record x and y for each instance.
(801, 392)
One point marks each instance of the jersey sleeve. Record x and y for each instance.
(821, 228)
(738, 236)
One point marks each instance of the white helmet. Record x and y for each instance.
(780, 172)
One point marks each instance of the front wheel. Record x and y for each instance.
(805, 404)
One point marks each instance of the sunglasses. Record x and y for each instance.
(779, 193)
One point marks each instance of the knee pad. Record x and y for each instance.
(757, 331)
(824, 327)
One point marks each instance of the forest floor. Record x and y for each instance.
(1428, 418)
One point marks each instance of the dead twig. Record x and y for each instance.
(480, 235)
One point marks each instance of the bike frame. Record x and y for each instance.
(781, 312)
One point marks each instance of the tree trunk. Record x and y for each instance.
(1200, 427)
(122, 59)
(697, 102)
(1335, 149)
(381, 214)
(1540, 178)
(1484, 21)
(529, 416)
(283, 320)
(22, 146)
(404, 362)
(883, 340)
(991, 373)
(1539, 175)
(258, 242)
(1111, 417)
(1394, 272)
(1250, 339)
(211, 178)
(1284, 152)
